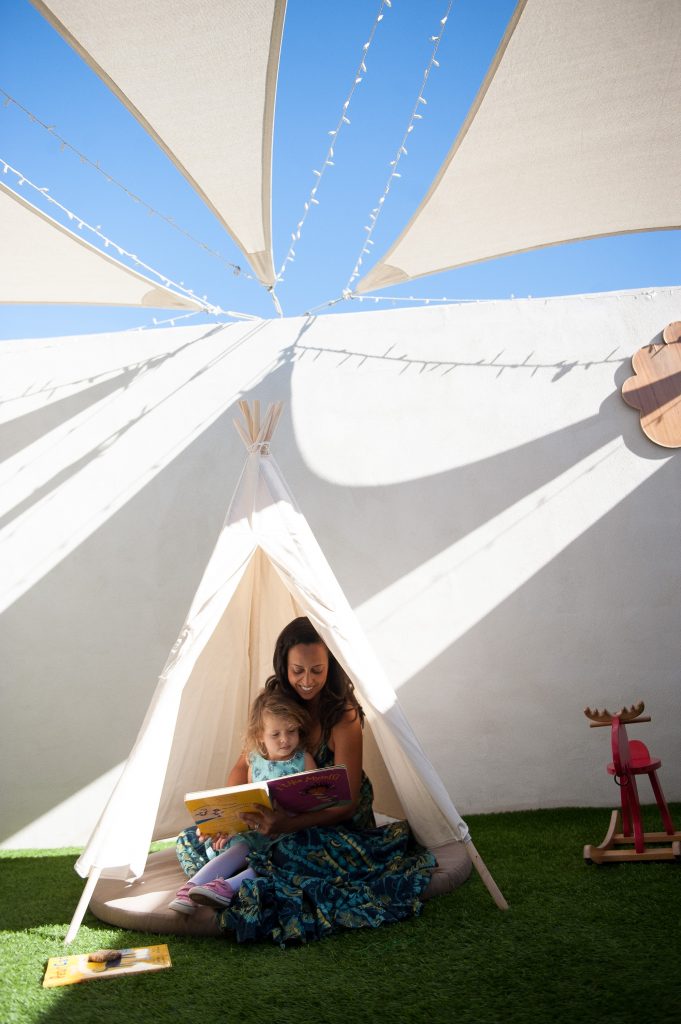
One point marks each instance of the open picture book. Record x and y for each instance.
(218, 810)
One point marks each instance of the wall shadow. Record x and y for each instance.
(17, 434)
(130, 583)
(350, 522)
(512, 689)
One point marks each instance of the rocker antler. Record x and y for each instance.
(624, 714)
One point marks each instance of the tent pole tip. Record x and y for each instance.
(83, 904)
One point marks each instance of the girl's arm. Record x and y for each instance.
(346, 738)
(309, 762)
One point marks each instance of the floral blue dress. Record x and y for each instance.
(262, 769)
(317, 880)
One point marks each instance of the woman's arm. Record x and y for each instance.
(240, 772)
(346, 738)
(310, 764)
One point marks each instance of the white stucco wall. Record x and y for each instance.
(505, 531)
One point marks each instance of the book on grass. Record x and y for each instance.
(218, 810)
(107, 963)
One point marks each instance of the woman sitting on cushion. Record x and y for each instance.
(330, 868)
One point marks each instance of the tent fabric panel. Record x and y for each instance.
(574, 134)
(230, 671)
(212, 714)
(386, 799)
(201, 79)
(43, 262)
(120, 840)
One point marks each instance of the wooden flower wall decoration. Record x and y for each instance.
(655, 388)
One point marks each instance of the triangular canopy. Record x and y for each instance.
(574, 133)
(43, 262)
(265, 570)
(201, 78)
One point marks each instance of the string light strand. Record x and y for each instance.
(426, 301)
(352, 297)
(328, 161)
(82, 224)
(64, 144)
(416, 115)
(198, 312)
(408, 298)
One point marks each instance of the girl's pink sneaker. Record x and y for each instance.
(182, 903)
(213, 894)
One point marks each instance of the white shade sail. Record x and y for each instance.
(575, 133)
(201, 78)
(43, 262)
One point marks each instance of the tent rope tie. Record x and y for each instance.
(175, 651)
(259, 448)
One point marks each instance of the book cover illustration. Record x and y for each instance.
(312, 791)
(69, 970)
(218, 810)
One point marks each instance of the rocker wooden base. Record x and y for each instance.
(608, 851)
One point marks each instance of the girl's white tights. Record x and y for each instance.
(226, 865)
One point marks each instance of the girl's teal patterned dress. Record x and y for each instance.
(315, 881)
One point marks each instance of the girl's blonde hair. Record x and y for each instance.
(280, 706)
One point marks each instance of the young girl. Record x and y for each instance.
(278, 729)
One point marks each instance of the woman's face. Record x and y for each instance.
(308, 668)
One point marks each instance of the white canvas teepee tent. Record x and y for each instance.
(266, 569)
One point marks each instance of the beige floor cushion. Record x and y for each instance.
(143, 905)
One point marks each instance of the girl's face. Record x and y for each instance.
(280, 736)
(308, 668)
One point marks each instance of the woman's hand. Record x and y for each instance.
(267, 822)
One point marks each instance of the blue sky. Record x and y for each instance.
(321, 48)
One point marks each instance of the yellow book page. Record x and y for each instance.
(219, 812)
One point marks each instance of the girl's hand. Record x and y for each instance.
(219, 840)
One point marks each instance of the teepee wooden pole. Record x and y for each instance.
(246, 412)
(491, 886)
(270, 422)
(83, 904)
(275, 416)
(242, 434)
(257, 430)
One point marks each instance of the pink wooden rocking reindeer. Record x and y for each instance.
(629, 759)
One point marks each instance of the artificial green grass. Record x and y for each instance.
(578, 944)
